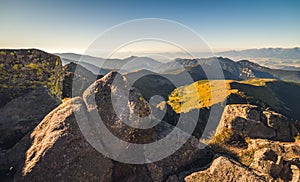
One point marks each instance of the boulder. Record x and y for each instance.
(60, 152)
(76, 80)
(21, 115)
(246, 120)
(22, 71)
(267, 162)
(224, 169)
(129, 105)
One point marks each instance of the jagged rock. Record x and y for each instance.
(98, 97)
(24, 70)
(251, 121)
(224, 169)
(187, 157)
(22, 114)
(60, 152)
(285, 130)
(128, 102)
(266, 161)
(76, 80)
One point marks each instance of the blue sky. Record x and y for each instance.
(70, 26)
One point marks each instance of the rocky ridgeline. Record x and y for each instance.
(255, 145)
(41, 140)
(25, 70)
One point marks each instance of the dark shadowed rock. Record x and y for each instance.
(267, 162)
(76, 80)
(23, 114)
(22, 71)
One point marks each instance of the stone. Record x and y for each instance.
(224, 169)
(60, 152)
(246, 120)
(76, 80)
(22, 71)
(21, 115)
(129, 106)
(266, 161)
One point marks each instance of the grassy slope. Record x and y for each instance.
(281, 96)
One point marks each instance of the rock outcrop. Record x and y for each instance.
(243, 120)
(224, 169)
(76, 80)
(126, 106)
(58, 150)
(21, 115)
(22, 71)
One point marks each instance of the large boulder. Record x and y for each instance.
(243, 120)
(279, 160)
(224, 169)
(266, 161)
(76, 80)
(22, 71)
(129, 105)
(60, 152)
(23, 114)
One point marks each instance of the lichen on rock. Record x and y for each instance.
(24, 70)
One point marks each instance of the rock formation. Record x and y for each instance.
(23, 114)
(76, 79)
(224, 169)
(244, 120)
(24, 70)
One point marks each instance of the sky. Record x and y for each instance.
(71, 26)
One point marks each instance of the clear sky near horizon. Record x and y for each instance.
(70, 26)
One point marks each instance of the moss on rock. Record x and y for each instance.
(26, 69)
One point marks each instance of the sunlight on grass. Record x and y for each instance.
(204, 93)
(201, 94)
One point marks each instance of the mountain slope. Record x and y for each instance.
(281, 96)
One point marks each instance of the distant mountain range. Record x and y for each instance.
(280, 53)
(127, 65)
(133, 65)
(277, 58)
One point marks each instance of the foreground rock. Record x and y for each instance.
(224, 169)
(23, 114)
(24, 70)
(60, 152)
(129, 106)
(243, 120)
